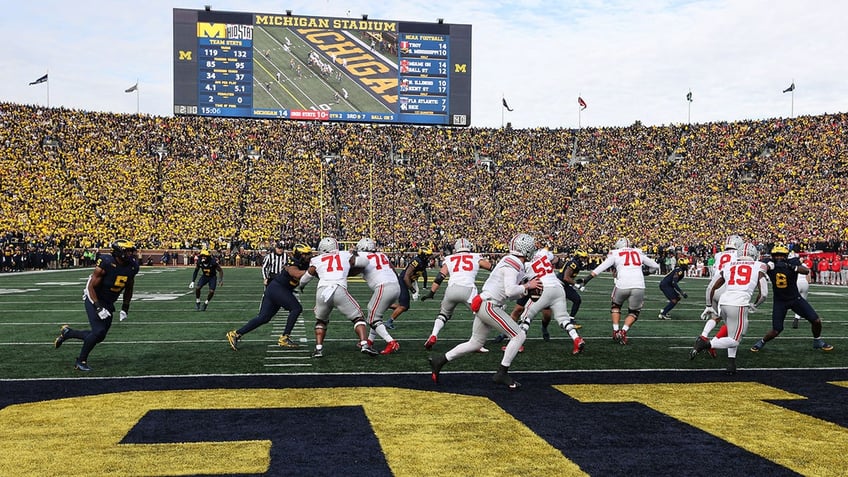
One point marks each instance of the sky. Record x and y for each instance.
(629, 60)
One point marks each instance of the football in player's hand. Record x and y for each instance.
(535, 293)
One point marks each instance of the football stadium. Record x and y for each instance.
(195, 294)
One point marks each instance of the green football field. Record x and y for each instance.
(308, 89)
(164, 335)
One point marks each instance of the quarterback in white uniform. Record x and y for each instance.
(629, 284)
(331, 267)
(461, 268)
(506, 282)
(381, 278)
(553, 297)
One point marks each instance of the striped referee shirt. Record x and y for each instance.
(273, 265)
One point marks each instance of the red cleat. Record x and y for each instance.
(616, 335)
(520, 350)
(430, 342)
(391, 347)
(579, 344)
(622, 337)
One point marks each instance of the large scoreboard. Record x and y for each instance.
(285, 66)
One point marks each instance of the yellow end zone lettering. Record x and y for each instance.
(462, 434)
(738, 414)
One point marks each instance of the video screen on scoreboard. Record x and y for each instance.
(285, 66)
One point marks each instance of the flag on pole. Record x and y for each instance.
(582, 103)
(131, 88)
(689, 96)
(505, 105)
(43, 79)
(790, 88)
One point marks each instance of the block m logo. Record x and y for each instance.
(185, 55)
(460, 68)
(211, 30)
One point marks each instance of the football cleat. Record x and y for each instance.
(616, 335)
(701, 344)
(731, 367)
(197, 306)
(795, 322)
(820, 344)
(483, 350)
(367, 349)
(430, 342)
(318, 353)
(233, 338)
(663, 316)
(520, 350)
(203, 307)
(545, 335)
(286, 342)
(390, 323)
(712, 353)
(436, 363)
(622, 337)
(391, 347)
(63, 335)
(82, 366)
(759, 345)
(579, 344)
(502, 377)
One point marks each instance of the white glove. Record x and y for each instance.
(103, 313)
(771, 265)
(708, 313)
(524, 326)
(123, 315)
(580, 287)
(191, 286)
(415, 296)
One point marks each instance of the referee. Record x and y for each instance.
(273, 263)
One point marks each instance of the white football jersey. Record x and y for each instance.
(741, 280)
(462, 268)
(542, 268)
(332, 267)
(628, 267)
(723, 258)
(505, 281)
(379, 269)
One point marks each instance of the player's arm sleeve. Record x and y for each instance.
(763, 285)
(194, 275)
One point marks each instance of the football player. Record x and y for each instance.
(732, 244)
(210, 269)
(332, 267)
(671, 288)
(408, 279)
(552, 297)
(279, 293)
(504, 283)
(461, 267)
(743, 277)
(383, 282)
(627, 262)
(568, 277)
(783, 273)
(113, 274)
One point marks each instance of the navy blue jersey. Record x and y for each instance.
(208, 268)
(674, 276)
(417, 267)
(574, 264)
(285, 279)
(116, 277)
(784, 279)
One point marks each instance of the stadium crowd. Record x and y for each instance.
(74, 179)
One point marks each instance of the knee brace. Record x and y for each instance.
(321, 324)
(634, 313)
(359, 321)
(615, 308)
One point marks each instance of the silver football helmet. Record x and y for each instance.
(749, 250)
(622, 243)
(365, 244)
(734, 242)
(522, 245)
(328, 244)
(462, 245)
